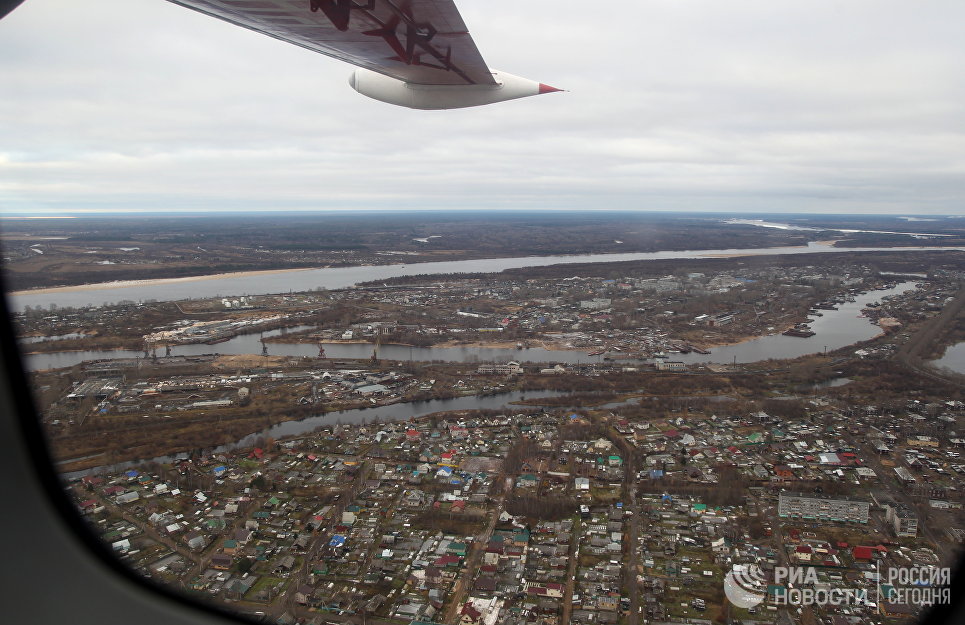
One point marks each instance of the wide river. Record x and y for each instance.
(834, 329)
(262, 283)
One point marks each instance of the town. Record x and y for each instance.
(591, 516)
(315, 353)
(612, 482)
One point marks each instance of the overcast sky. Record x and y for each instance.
(770, 105)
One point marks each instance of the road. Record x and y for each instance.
(471, 563)
(575, 534)
(925, 337)
(631, 565)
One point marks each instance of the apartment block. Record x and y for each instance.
(820, 508)
(902, 520)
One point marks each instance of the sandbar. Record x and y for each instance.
(120, 284)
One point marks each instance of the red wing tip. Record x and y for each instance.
(547, 89)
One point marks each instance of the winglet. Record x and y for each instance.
(547, 89)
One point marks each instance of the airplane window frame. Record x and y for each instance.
(56, 517)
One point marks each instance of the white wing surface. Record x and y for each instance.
(422, 42)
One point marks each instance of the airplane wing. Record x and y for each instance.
(420, 42)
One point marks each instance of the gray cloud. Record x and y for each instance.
(696, 105)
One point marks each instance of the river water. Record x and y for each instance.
(953, 358)
(834, 329)
(341, 277)
(395, 412)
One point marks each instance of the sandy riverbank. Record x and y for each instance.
(120, 284)
(742, 339)
(709, 345)
(832, 243)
